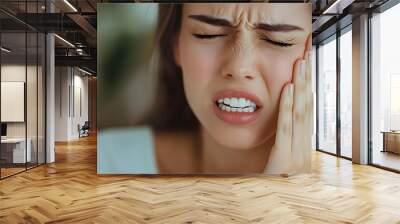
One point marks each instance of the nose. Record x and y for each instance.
(240, 60)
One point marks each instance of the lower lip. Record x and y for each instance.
(239, 118)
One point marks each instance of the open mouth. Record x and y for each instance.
(237, 107)
(233, 104)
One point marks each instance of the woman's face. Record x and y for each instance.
(235, 60)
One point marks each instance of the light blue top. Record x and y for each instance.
(126, 151)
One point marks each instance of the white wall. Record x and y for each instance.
(70, 83)
(62, 81)
(81, 102)
(16, 73)
(33, 126)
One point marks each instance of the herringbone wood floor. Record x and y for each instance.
(70, 191)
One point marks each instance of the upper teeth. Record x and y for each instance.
(236, 105)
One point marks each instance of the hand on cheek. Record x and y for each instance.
(291, 153)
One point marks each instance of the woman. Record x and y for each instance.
(235, 89)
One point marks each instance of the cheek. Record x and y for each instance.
(199, 62)
(276, 74)
(278, 70)
(199, 65)
(196, 62)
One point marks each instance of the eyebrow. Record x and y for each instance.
(278, 27)
(214, 21)
(211, 20)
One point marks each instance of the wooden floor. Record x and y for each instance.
(70, 191)
(387, 159)
(5, 172)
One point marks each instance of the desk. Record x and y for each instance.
(15, 148)
(391, 141)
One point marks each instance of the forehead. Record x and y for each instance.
(289, 13)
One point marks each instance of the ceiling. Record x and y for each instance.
(76, 22)
(330, 16)
(72, 20)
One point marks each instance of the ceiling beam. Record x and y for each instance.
(86, 26)
(84, 61)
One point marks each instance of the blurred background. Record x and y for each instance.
(125, 63)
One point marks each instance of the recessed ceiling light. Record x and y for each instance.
(337, 7)
(84, 71)
(70, 5)
(64, 40)
(5, 50)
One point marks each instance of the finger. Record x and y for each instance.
(308, 74)
(299, 137)
(308, 46)
(300, 90)
(307, 159)
(285, 121)
(279, 158)
(307, 58)
(309, 113)
(308, 86)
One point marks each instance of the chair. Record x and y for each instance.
(84, 130)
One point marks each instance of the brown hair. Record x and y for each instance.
(171, 110)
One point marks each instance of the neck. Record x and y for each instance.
(219, 159)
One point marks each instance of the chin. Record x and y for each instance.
(237, 137)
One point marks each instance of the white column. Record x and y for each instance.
(50, 92)
(50, 99)
(360, 90)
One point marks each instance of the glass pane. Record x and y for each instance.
(31, 100)
(41, 98)
(327, 97)
(31, 88)
(346, 94)
(13, 86)
(386, 89)
(23, 90)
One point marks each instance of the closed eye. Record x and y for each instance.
(208, 36)
(277, 43)
(213, 36)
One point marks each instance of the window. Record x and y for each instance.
(22, 77)
(314, 90)
(385, 89)
(346, 93)
(327, 96)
